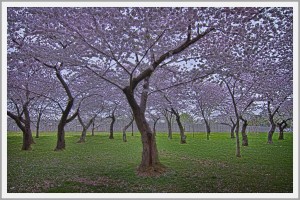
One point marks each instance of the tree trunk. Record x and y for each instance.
(60, 144)
(232, 131)
(125, 128)
(238, 147)
(150, 165)
(281, 126)
(93, 128)
(244, 135)
(280, 133)
(207, 129)
(37, 134)
(83, 135)
(111, 129)
(85, 127)
(169, 129)
(132, 129)
(272, 123)
(181, 129)
(232, 128)
(154, 126)
(27, 136)
(168, 116)
(271, 132)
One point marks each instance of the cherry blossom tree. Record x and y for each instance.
(206, 97)
(130, 47)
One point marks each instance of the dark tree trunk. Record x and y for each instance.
(61, 145)
(25, 128)
(181, 129)
(272, 124)
(238, 146)
(37, 134)
(125, 128)
(132, 129)
(232, 128)
(170, 136)
(111, 129)
(280, 133)
(150, 164)
(271, 132)
(154, 126)
(205, 121)
(93, 128)
(244, 135)
(83, 136)
(281, 126)
(85, 127)
(168, 116)
(207, 129)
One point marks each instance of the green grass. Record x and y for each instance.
(103, 165)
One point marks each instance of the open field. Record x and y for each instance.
(103, 165)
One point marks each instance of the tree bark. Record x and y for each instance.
(125, 128)
(168, 115)
(24, 125)
(244, 135)
(37, 134)
(238, 146)
(207, 129)
(150, 164)
(61, 144)
(181, 129)
(154, 126)
(93, 128)
(272, 123)
(232, 128)
(111, 129)
(84, 127)
(27, 125)
(281, 126)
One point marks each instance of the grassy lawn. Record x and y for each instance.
(103, 165)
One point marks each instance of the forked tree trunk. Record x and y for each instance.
(25, 128)
(61, 144)
(244, 135)
(85, 127)
(125, 128)
(150, 164)
(281, 126)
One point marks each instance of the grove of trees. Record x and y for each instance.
(144, 64)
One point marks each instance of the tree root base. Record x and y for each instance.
(151, 171)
